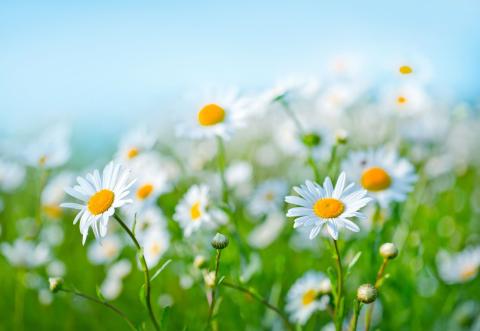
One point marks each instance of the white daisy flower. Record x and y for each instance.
(106, 251)
(192, 212)
(99, 197)
(49, 150)
(112, 286)
(459, 268)
(268, 197)
(328, 206)
(27, 254)
(383, 174)
(149, 219)
(155, 243)
(135, 143)
(12, 175)
(53, 194)
(407, 100)
(307, 296)
(219, 114)
(265, 233)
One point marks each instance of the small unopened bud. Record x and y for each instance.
(341, 136)
(389, 251)
(219, 241)
(55, 284)
(366, 293)
(325, 286)
(311, 139)
(209, 278)
(200, 262)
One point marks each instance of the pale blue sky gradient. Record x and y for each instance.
(65, 61)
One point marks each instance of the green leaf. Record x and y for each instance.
(141, 295)
(99, 294)
(160, 269)
(134, 226)
(353, 262)
(221, 280)
(164, 317)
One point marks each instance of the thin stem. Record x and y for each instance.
(331, 162)
(356, 312)
(311, 163)
(19, 300)
(106, 304)
(291, 114)
(338, 297)
(145, 271)
(214, 290)
(368, 314)
(221, 169)
(262, 301)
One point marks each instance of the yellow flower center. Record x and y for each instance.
(195, 212)
(405, 70)
(308, 297)
(328, 208)
(110, 250)
(132, 152)
(144, 191)
(375, 179)
(468, 272)
(211, 114)
(155, 248)
(269, 196)
(401, 100)
(51, 210)
(42, 160)
(101, 201)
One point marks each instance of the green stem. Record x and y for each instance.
(338, 297)
(331, 162)
(311, 163)
(368, 314)
(214, 290)
(262, 301)
(106, 304)
(356, 312)
(19, 300)
(221, 169)
(145, 272)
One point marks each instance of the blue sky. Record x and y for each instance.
(93, 61)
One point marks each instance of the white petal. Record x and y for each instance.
(332, 229)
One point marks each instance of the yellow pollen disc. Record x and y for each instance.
(132, 152)
(155, 248)
(195, 211)
(144, 191)
(405, 70)
(328, 208)
(42, 160)
(100, 201)
(401, 100)
(53, 211)
(110, 250)
(468, 272)
(375, 179)
(269, 196)
(309, 297)
(211, 114)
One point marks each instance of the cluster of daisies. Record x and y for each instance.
(285, 132)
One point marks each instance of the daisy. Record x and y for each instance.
(112, 286)
(328, 206)
(268, 197)
(155, 243)
(148, 219)
(12, 175)
(192, 212)
(53, 194)
(307, 295)
(218, 115)
(50, 150)
(27, 254)
(135, 143)
(99, 197)
(459, 268)
(106, 251)
(382, 173)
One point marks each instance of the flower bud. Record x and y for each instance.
(367, 293)
(311, 139)
(200, 262)
(219, 241)
(388, 251)
(55, 284)
(341, 137)
(209, 278)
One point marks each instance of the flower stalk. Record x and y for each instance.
(214, 289)
(339, 293)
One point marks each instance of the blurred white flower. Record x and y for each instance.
(268, 197)
(327, 206)
(135, 143)
(56, 268)
(219, 113)
(112, 286)
(12, 175)
(265, 233)
(52, 234)
(99, 198)
(49, 150)
(460, 267)
(155, 243)
(105, 251)
(385, 175)
(305, 297)
(25, 254)
(54, 193)
(149, 219)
